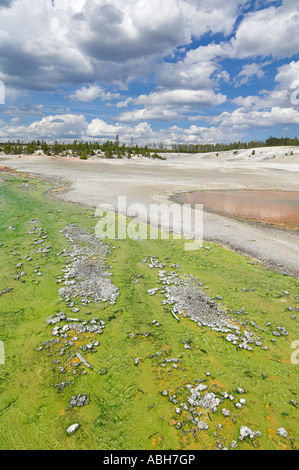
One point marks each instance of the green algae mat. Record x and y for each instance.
(134, 370)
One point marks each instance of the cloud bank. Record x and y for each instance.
(116, 65)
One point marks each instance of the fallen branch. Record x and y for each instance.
(177, 318)
(82, 360)
(6, 291)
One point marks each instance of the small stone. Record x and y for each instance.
(282, 432)
(73, 428)
(233, 445)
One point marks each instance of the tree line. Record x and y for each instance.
(113, 149)
(110, 149)
(222, 147)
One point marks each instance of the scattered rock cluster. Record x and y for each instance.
(85, 279)
(85, 273)
(40, 238)
(185, 295)
(193, 413)
(94, 326)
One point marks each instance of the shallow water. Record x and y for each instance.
(269, 206)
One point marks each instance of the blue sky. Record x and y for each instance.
(188, 71)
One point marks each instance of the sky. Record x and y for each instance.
(155, 71)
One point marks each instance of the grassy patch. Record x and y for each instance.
(127, 409)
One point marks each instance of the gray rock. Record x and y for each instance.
(79, 401)
(202, 426)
